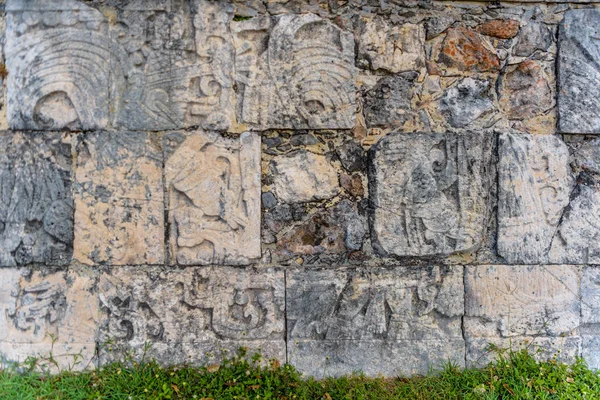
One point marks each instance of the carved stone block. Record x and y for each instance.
(534, 187)
(374, 320)
(294, 71)
(58, 60)
(429, 192)
(578, 72)
(173, 65)
(119, 201)
(516, 305)
(36, 204)
(214, 198)
(183, 314)
(48, 312)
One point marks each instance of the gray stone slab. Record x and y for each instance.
(48, 313)
(182, 314)
(429, 192)
(535, 183)
(579, 72)
(36, 203)
(294, 72)
(58, 62)
(397, 321)
(517, 306)
(213, 184)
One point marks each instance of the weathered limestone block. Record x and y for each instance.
(394, 48)
(48, 312)
(183, 314)
(214, 193)
(397, 321)
(173, 65)
(429, 192)
(590, 315)
(578, 72)
(119, 201)
(58, 61)
(304, 176)
(388, 104)
(534, 186)
(516, 305)
(294, 71)
(36, 203)
(577, 240)
(465, 102)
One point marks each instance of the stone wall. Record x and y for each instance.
(364, 184)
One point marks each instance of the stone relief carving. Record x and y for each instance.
(44, 312)
(294, 71)
(192, 305)
(579, 72)
(534, 187)
(36, 204)
(173, 66)
(214, 198)
(58, 61)
(396, 304)
(428, 192)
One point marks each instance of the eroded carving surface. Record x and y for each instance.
(534, 187)
(294, 71)
(119, 200)
(520, 303)
(579, 72)
(37, 309)
(214, 198)
(428, 192)
(191, 309)
(36, 204)
(58, 57)
(407, 311)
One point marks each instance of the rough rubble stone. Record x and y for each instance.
(394, 48)
(119, 201)
(36, 203)
(429, 192)
(46, 90)
(43, 313)
(331, 231)
(520, 304)
(533, 37)
(578, 74)
(276, 61)
(526, 90)
(303, 176)
(534, 187)
(500, 28)
(214, 192)
(465, 50)
(394, 322)
(187, 314)
(172, 65)
(388, 104)
(466, 101)
(577, 240)
(352, 156)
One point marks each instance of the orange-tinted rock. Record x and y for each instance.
(500, 28)
(464, 49)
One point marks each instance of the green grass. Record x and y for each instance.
(515, 375)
